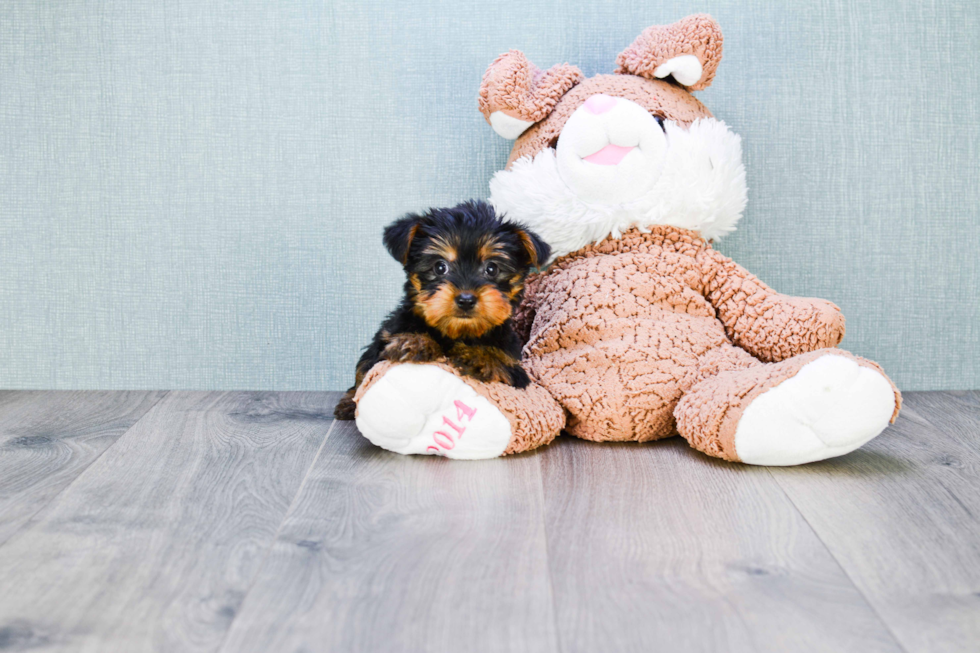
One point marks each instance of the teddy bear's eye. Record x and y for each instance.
(440, 268)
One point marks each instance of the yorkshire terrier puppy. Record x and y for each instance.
(465, 270)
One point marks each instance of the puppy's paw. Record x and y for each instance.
(346, 408)
(519, 378)
(482, 363)
(411, 348)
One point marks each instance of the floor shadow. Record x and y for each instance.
(863, 463)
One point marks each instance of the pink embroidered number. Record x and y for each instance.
(462, 409)
(448, 422)
(444, 441)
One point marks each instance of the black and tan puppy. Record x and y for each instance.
(465, 273)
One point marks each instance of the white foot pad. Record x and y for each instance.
(424, 409)
(829, 408)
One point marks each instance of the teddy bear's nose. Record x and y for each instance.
(600, 103)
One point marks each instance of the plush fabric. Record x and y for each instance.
(689, 193)
(656, 96)
(534, 417)
(517, 87)
(710, 413)
(697, 35)
(620, 330)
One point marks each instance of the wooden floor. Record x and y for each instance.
(181, 521)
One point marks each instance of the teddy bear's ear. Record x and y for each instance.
(515, 93)
(689, 51)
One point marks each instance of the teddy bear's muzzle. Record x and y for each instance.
(610, 150)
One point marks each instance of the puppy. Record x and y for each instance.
(465, 271)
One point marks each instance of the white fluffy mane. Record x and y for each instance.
(702, 187)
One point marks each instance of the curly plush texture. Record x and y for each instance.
(770, 326)
(517, 87)
(621, 329)
(699, 35)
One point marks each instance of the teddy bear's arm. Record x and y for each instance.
(769, 325)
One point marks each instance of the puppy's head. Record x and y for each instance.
(465, 266)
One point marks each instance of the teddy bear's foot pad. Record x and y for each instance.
(829, 408)
(421, 409)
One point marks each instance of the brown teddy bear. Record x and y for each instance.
(638, 330)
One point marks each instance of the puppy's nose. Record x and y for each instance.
(466, 300)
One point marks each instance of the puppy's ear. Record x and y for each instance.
(537, 250)
(399, 234)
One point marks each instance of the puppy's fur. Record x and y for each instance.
(465, 273)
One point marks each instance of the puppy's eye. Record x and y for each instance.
(491, 269)
(660, 121)
(440, 268)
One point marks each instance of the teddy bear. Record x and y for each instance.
(637, 329)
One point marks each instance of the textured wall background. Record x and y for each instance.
(192, 193)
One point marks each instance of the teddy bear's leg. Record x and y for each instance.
(431, 409)
(814, 406)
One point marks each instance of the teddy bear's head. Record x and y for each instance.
(594, 157)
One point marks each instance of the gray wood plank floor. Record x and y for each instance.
(383, 552)
(657, 548)
(154, 545)
(252, 522)
(49, 438)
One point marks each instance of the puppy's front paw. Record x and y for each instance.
(346, 409)
(411, 348)
(481, 363)
(519, 378)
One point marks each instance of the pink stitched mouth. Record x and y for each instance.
(610, 155)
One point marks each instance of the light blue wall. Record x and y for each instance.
(192, 193)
